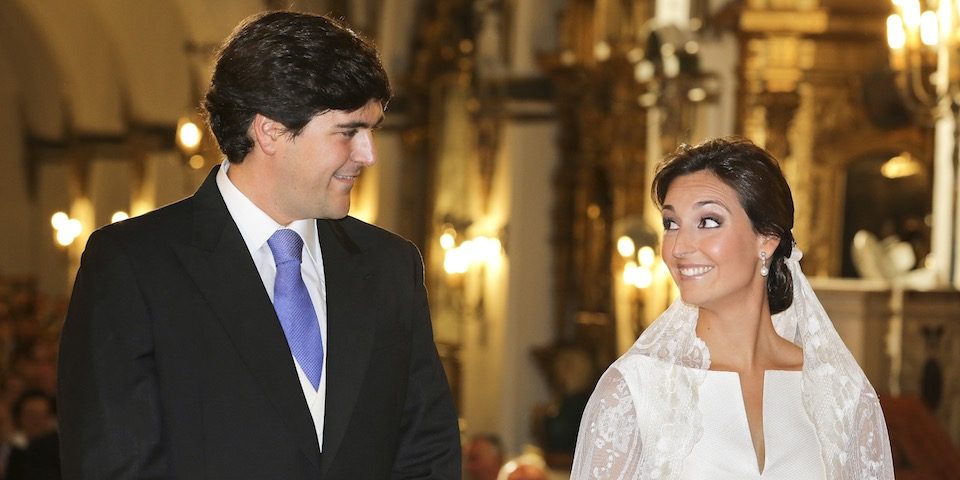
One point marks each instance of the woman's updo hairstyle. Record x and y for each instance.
(763, 192)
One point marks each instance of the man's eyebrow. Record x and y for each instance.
(359, 124)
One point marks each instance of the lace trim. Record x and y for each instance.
(838, 397)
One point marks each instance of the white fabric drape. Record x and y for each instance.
(643, 418)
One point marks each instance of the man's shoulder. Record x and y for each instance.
(362, 231)
(172, 220)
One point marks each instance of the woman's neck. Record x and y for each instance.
(742, 339)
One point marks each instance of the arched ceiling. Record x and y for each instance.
(31, 73)
(99, 67)
(89, 83)
(147, 45)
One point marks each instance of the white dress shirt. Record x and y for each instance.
(256, 227)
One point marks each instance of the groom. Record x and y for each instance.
(253, 330)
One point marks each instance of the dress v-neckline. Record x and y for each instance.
(741, 412)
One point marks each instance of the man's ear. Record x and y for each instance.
(267, 133)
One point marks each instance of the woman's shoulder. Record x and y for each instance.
(634, 370)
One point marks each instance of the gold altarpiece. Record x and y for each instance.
(601, 176)
(804, 94)
(625, 93)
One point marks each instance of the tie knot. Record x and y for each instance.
(286, 246)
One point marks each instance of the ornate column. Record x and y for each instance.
(802, 73)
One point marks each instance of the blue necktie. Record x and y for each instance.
(293, 305)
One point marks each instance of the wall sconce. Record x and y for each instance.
(637, 271)
(65, 229)
(903, 165)
(639, 263)
(189, 135)
(460, 256)
(190, 139)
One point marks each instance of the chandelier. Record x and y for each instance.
(924, 37)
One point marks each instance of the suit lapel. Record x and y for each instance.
(221, 266)
(350, 327)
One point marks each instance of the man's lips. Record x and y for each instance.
(346, 178)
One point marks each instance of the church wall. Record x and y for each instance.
(165, 180)
(109, 188)
(52, 262)
(17, 236)
(394, 35)
(81, 48)
(719, 56)
(534, 32)
(385, 200)
(501, 382)
(529, 315)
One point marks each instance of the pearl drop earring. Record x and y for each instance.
(763, 264)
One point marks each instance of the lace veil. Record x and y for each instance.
(643, 419)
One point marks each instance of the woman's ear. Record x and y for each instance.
(769, 243)
(267, 134)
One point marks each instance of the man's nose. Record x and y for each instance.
(363, 151)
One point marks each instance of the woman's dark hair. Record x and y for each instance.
(288, 67)
(763, 192)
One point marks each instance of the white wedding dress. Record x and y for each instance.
(659, 412)
(725, 449)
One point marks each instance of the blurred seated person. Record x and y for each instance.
(41, 365)
(6, 434)
(483, 457)
(528, 466)
(12, 387)
(36, 453)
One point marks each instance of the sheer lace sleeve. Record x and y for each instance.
(608, 445)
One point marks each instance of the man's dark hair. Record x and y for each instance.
(761, 188)
(288, 67)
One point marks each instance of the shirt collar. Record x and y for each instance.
(255, 225)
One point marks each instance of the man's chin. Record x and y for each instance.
(334, 213)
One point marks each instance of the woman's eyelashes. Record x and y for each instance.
(710, 221)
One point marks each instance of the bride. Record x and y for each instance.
(744, 377)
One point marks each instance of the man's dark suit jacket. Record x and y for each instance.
(173, 364)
